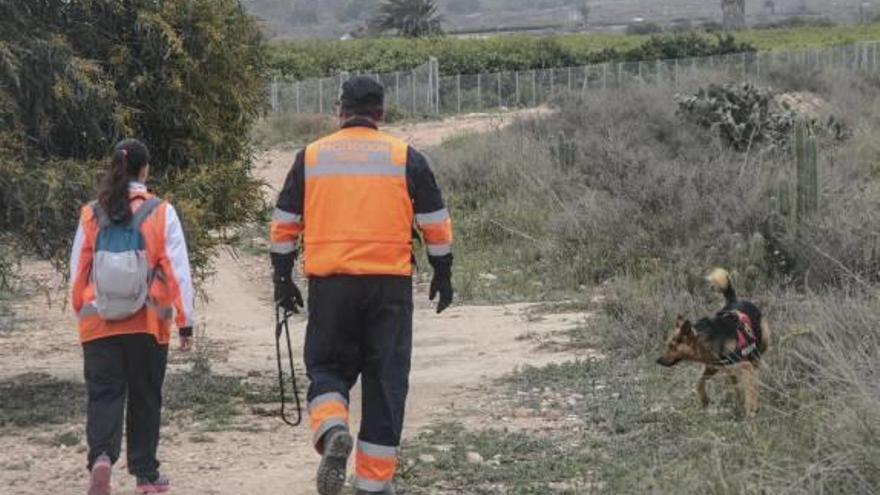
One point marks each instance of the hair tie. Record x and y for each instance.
(125, 153)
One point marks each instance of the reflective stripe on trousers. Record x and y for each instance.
(375, 466)
(327, 411)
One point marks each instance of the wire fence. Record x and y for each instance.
(414, 92)
(424, 92)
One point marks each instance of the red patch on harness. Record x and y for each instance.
(746, 340)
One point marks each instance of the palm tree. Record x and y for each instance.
(409, 18)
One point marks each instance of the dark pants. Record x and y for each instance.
(124, 367)
(362, 326)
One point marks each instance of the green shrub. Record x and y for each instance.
(310, 59)
(743, 115)
(186, 77)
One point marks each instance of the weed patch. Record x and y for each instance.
(38, 399)
(213, 399)
(634, 199)
(450, 459)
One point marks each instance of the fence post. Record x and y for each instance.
(479, 91)
(534, 88)
(605, 76)
(273, 92)
(758, 66)
(397, 89)
(569, 78)
(429, 93)
(516, 85)
(321, 96)
(552, 82)
(500, 102)
(675, 73)
(458, 90)
(586, 85)
(437, 78)
(874, 57)
(412, 85)
(619, 74)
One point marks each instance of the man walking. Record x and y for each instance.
(354, 197)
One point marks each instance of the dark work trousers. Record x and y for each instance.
(362, 325)
(125, 374)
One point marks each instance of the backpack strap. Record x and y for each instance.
(144, 212)
(103, 220)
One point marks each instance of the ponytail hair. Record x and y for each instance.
(129, 157)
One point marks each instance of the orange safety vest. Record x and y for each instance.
(358, 213)
(157, 316)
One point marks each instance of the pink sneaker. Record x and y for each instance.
(160, 484)
(99, 480)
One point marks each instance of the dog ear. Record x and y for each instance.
(688, 329)
(679, 321)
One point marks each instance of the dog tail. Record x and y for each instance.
(720, 278)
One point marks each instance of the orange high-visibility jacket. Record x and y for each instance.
(354, 197)
(171, 291)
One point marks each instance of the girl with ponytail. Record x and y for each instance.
(131, 283)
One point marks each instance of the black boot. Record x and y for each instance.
(331, 472)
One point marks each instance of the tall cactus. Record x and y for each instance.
(806, 157)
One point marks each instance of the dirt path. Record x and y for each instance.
(274, 165)
(456, 355)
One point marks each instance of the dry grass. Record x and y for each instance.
(618, 190)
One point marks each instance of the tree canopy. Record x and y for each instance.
(408, 18)
(185, 76)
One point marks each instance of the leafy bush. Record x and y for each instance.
(308, 59)
(186, 77)
(311, 59)
(743, 115)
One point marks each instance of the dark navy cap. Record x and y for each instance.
(362, 92)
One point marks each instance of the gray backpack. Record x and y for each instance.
(120, 271)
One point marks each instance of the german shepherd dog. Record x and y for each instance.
(732, 341)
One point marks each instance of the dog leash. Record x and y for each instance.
(282, 326)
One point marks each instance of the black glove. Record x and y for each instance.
(442, 282)
(288, 295)
(185, 332)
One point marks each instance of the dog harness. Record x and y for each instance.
(746, 340)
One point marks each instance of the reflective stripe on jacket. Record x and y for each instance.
(353, 198)
(170, 291)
